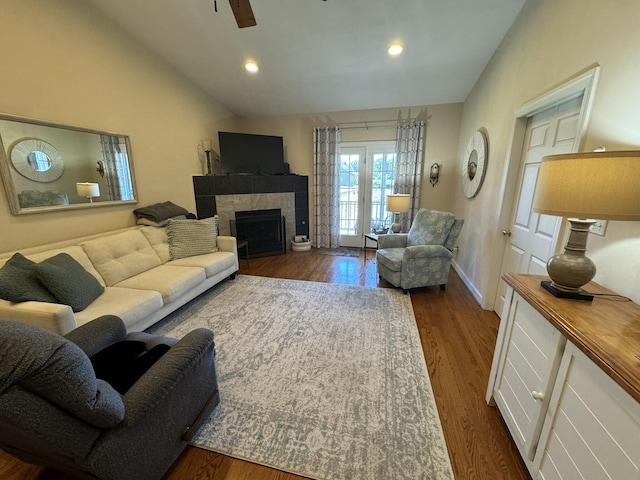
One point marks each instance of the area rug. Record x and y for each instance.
(340, 252)
(325, 381)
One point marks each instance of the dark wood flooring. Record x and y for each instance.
(458, 339)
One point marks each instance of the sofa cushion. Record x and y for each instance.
(131, 305)
(170, 281)
(192, 237)
(213, 263)
(19, 282)
(57, 370)
(157, 238)
(70, 283)
(120, 256)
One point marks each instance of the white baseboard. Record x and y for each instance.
(469, 284)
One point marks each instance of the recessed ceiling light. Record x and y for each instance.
(251, 66)
(395, 49)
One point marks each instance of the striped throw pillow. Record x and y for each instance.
(192, 237)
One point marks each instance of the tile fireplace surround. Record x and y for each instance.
(223, 195)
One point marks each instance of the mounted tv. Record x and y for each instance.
(247, 153)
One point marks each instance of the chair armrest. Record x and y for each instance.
(227, 244)
(396, 240)
(422, 251)
(193, 355)
(55, 317)
(98, 334)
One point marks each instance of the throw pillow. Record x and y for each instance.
(69, 282)
(19, 282)
(192, 237)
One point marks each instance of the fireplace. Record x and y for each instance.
(264, 230)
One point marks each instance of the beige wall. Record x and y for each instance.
(550, 42)
(441, 137)
(62, 63)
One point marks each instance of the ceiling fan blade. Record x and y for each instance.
(243, 13)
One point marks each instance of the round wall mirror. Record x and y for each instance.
(37, 160)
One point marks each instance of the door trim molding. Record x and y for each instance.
(583, 83)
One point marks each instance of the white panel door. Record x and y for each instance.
(533, 237)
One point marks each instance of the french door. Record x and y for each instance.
(367, 173)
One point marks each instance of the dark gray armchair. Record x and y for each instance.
(55, 412)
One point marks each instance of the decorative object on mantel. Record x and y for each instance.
(88, 189)
(398, 203)
(590, 185)
(208, 157)
(434, 174)
(473, 164)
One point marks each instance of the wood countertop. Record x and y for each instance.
(607, 329)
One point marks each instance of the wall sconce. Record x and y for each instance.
(100, 168)
(434, 174)
(89, 190)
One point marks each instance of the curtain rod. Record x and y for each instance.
(367, 124)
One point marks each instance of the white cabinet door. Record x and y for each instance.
(593, 427)
(531, 353)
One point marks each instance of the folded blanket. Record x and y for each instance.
(160, 211)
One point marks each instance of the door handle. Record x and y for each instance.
(537, 395)
(506, 233)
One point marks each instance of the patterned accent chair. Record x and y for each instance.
(421, 257)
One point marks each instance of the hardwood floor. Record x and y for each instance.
(458, 339)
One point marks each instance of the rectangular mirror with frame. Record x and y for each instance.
(50, 167)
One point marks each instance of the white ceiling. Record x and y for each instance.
(323, 56)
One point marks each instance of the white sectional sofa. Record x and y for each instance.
(142, 283)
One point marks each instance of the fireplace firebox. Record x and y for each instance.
(264, 231)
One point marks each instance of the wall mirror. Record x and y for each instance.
(47, 167)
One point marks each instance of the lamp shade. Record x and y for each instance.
(398, 203)
(598, 185)
(87, 189)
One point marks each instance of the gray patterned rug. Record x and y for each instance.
(325, 381)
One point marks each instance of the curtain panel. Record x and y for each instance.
(408, 178)
(326, 141)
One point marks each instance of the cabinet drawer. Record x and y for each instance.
(531, 357)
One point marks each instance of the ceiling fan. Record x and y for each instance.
(242, 11)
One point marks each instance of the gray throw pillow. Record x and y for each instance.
(192, 237)
(19, 282)
(69, 282)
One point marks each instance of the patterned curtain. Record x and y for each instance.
(326, 143)
(116, 168)
(409, 167)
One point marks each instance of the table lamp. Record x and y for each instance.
(398, 203)
(584, 187)
(89, 190)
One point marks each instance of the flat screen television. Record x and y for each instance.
(248, 153)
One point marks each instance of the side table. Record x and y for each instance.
(244, 244)
(372, 237)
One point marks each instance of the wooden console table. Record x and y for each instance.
(566, 379)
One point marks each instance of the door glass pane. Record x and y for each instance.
(384, 167)
(349, 193)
